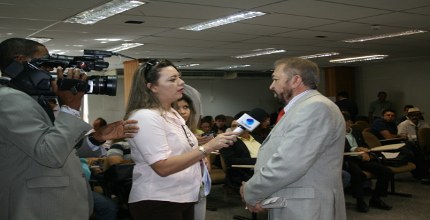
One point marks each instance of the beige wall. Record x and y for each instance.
(405, 83)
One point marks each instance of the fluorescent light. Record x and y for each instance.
(108, 39)
(260, 52)
(39, 39)
(377, 37)
(233, 67)
(104, 11)
(320, 55)
(359, 59)
(125, 46)
(188, 65)
(223, 21)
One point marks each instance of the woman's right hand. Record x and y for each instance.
(220, 141)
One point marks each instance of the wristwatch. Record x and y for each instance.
(203, 150)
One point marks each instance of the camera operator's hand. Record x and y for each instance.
(116, 130)
(69, 97)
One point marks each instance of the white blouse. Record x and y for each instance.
(160, 137)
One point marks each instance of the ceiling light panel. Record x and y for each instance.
(188, 65)
(359, 59)
(39, 39)
(319, 55)
(382, 36)
(104, 11)
(125, 46)
(260, 53)
(233, 67)
(223, 21)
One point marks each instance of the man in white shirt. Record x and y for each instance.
(412, 124)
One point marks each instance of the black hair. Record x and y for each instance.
(13, 47)
(220, 117)
(388, 110)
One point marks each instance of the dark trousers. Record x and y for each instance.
(417, 156)
(161, 210)
(104, 208)
(382, 173)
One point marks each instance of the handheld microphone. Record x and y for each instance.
(250, 121)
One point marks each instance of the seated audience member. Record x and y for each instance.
(405, 113)
(263, 129)
(98, 123)
(104, 208)
(206, 125)
(242, 152)
(356, 164)
(385, 128)
(219, 124)
(119, 152)
(409, 127)
(346, 105)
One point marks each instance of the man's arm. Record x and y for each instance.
(31, 130)
(388, 135)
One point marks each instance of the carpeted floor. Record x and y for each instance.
(415, 208)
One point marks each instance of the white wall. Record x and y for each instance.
(228, 97)
(405, 83)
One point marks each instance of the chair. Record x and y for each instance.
(360, 126)
(372, 141)
(118, 180)
(424, 140)
(217, 174)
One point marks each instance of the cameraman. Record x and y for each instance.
(41, 173)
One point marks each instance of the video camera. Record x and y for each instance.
(92, 60)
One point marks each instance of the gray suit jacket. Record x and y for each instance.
(301, 160)
(41, 176)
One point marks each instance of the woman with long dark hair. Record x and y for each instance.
(167, 175)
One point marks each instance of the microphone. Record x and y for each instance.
(250, 121)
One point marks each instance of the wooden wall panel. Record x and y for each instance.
(339, 79)
(130, 67)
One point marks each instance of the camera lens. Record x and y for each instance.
(102, 85)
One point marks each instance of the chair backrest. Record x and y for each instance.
(364, 123)
(424, 139)
(370, 139)
(359, 127)
(223, 164)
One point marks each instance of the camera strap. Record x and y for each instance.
(44, 104)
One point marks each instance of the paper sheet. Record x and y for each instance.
(390, 155)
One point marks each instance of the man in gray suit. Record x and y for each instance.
(301, 159)
(42, 177)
